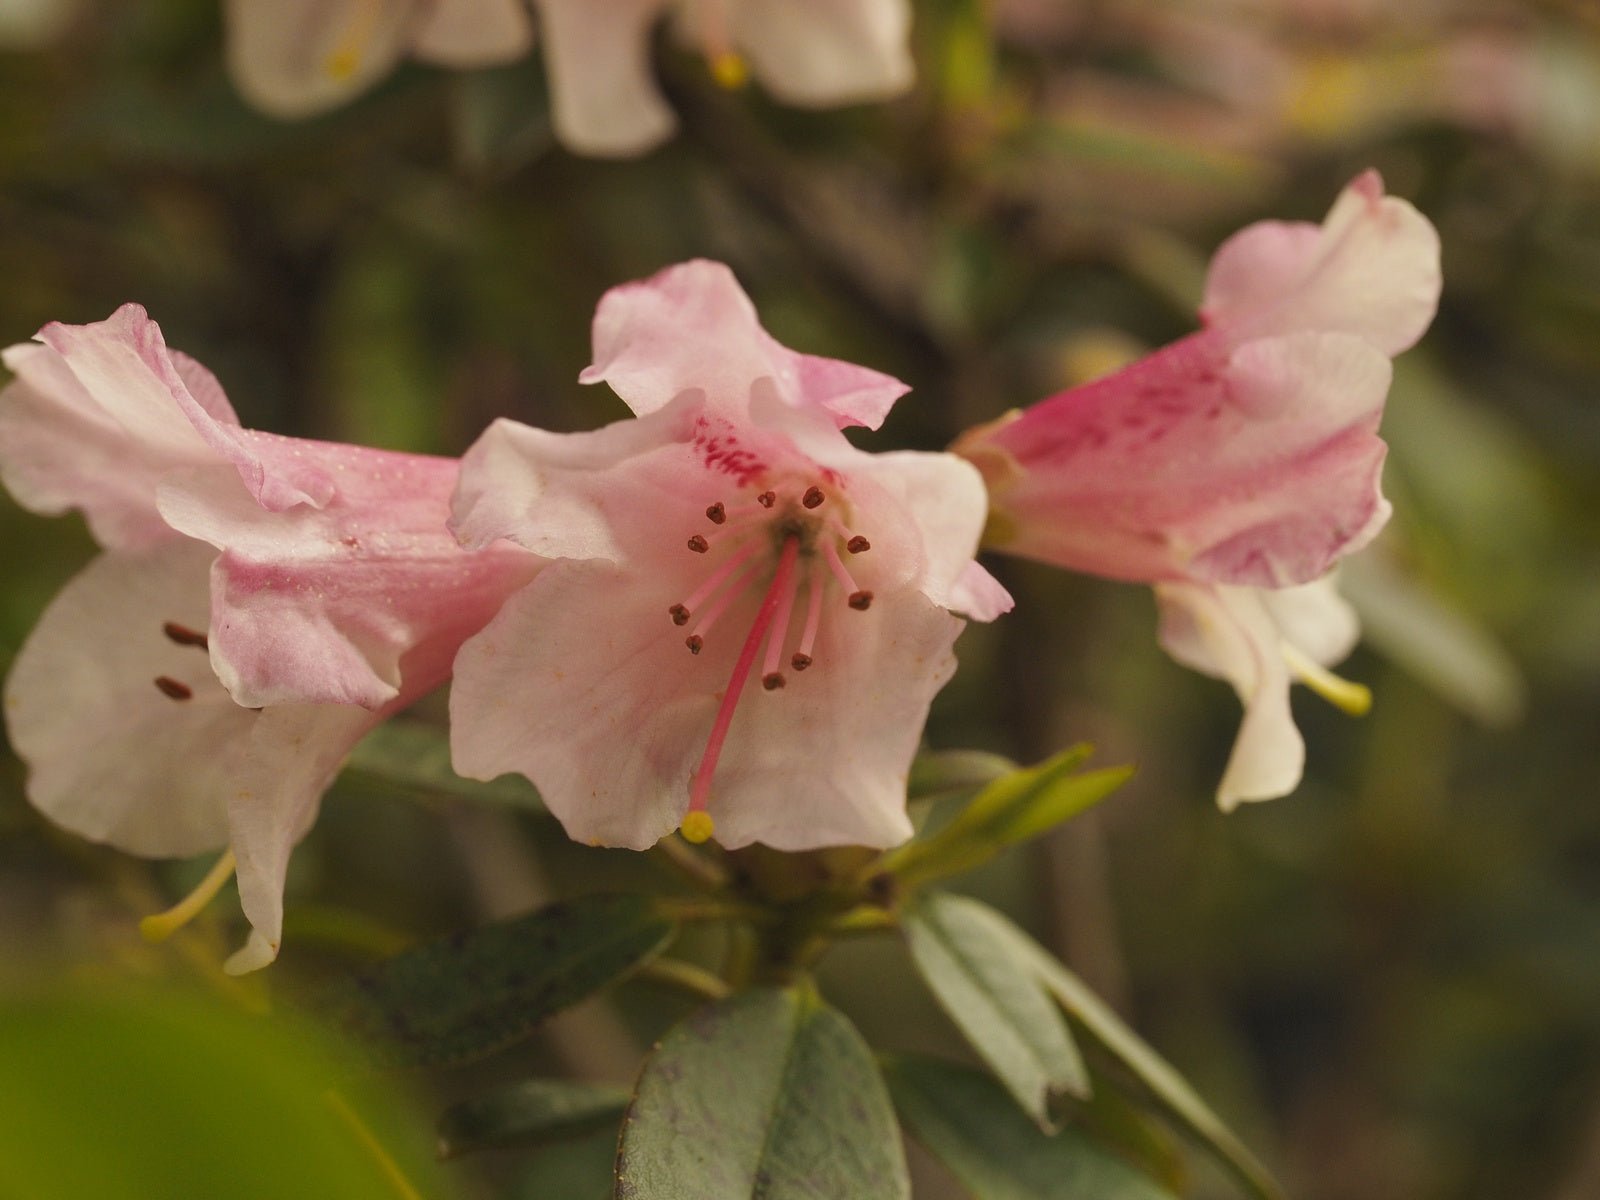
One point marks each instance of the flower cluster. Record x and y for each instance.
(293, 58)
(606, 602)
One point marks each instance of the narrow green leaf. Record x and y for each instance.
(768, 1094)
(964, 1119)
(1168, 1088)
(479, 991)
(535, 1110)
(1011, 809)
(416, 756)
(995, 998)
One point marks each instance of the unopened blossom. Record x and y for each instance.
(304, 56)
(745, 618)
(262, 603)
(1239, 461)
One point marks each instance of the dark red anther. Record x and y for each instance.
(173, 689)
(183, 635)
(800, 661)
(694, 641)
(716, 514)
(813, 497)
(858, 545)
(680, 614)
(773, 681)
(861, 601)
(767, 499)
(698, 544)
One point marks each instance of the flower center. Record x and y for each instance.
(807, 538)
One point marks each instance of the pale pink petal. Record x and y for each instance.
(1258, 466)
(1315, 619)
(293, 58)
(472, 33)
(692, 327)
(602, 86)
(123, 364)
(823, 761)
(979, 595)
(110, 756)
(1372, 270)
(292, 756)
(59, 450)
(582, 495)
(320, 605)
(826, 52)
(1228, 632)
(583, 684)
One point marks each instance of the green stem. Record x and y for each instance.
(685, 976)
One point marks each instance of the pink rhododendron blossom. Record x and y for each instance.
(262, 603)
(1243, 456)
(303, 56)
(292, 58)
(727, 533)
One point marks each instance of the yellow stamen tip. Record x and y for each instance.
(729, 71)
(1345, 695)
(162, 925)
(342, 64)
(697, 827)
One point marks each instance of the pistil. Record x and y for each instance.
(161, 926)
(697, 824)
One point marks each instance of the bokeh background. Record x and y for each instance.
(1388, 982)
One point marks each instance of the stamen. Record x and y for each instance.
(771, 677)
(858, 545)
(813, 497)
(767, 499)
(715, 580)
(161, 926)
(717, 514)
(680, 614)
(184, 636)
(860, 601)
(837, 567)
(808, 639)
(700, 827)
(1349, 697)
(772, 681)
(696, 638)
(173, 689)
(699, 544)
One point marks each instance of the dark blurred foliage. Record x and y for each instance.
(1389, 981)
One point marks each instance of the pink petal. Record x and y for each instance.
(820, 53)
(293, 58)
(1258, 465)
(155, 775)
(293, 754)
(1228, 632)
(472, 33)
(124, 365)
(60, 450)
(602, 85)
(1371, 270)
(692, 327)
(322, 605)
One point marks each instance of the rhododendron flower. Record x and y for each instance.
(292, 58)
(1245, 456)
(728, 531)
(303, 56)
(262, 603)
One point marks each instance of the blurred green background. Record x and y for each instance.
(1390, 981)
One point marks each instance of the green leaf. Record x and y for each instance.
(768, 1094)
(535, 1110)
(479, 991)
(995, 998)
(416, 756)
(1013, 808)
(1168, 1088)
(965, 1120)
(574, 1170)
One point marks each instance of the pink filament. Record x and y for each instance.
(700, 788)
